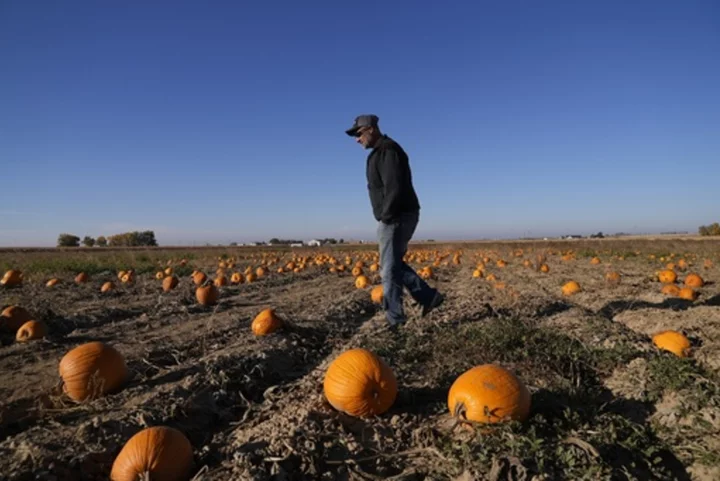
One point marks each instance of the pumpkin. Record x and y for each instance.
(612, 277)
(670, 290)
(266, 322)
(159, 453)
(374, 267)
(501, 263)
(31, 330)
(361, 282)
(376, 294)
(169, 271)
(260, 272)
(199, 278)
(672, 341)
(491, 278)
(527, 263)
(107, 287)
(170, 283)
(688, 294)
(357, 271)
(544, 268)
(477, 273)
(159, 275)
(13, 317)
(250, 277)
(207, 295)
(707, 264)
(220, 281)
(237, 278)
(12, 278)
(360, 384)
(121, 274)
(92, 369)
(52, 282)
(129, 277)
(571, 288)
(667, 276)
(595, 261)
(694, 280)
(489, 394)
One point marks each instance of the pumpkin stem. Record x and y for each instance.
(144, 476)
(459, 410)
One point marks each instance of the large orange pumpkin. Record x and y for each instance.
(361, 281)
(92, 369)
(199, 278)
(694, 280)
(376, 294)
(12, 278)
(489, 394)
(360, 384)
(13, 317)
(31, 330)
(688, 294)
(667, 276)
(207, 295)
(161, 453)
(670, 290)
(571, 288)
(672, 341)
(170, 283)
(266, 322)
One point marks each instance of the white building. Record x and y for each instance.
(314, 243)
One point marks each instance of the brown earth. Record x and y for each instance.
(606, 403)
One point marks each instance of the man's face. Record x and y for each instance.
(366, 137)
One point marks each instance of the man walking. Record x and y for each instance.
(396, 208)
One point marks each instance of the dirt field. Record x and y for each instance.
(605, 403)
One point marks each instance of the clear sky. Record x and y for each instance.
(224, 121)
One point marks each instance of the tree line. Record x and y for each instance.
(712, 229)
(126, 239)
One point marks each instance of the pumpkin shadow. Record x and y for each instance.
(613, 308)
(599, 404)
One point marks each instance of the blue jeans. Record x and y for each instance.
(396, 274)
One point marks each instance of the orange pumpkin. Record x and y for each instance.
(544, 268)
(357, 271)
(361, 282)
(237, 278)
(694, 280)
(31, 330)
(266, 322)
(52, 282)
(360, 384)
(250, 277)
(670, 290)
(501, 263)
(81, 278)
(477, 273)
(207, 295)
(489, 394)
(667, 276)
(376, 294)
(121, 274)
(169, 271)
(595, 261)
(92, 369)
(13, 317)
(159, 453)
(12, 278)
(159, 275)
(688, 294)
(260, 272)
(571, 288)
(672, 341)
(220, 281)
(107, 287)
(199, 278)
(170, 283)
(612, 277)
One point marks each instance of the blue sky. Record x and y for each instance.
(224, 121)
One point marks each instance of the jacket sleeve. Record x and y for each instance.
(391, 172)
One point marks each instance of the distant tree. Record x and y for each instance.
(341, 241)
(274, 240)
(708, 230)
(88, 241)
(68, 240)
(101, 241)
(132, 239)
(233, 244)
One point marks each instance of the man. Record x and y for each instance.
(396, 208)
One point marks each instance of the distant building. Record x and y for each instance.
(296, 244)
(314, 243)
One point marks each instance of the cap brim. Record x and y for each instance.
(352, 132)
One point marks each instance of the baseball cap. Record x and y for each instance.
(366, 120)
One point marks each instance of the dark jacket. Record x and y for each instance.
(390, 181)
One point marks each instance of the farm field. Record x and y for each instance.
(606, 403)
